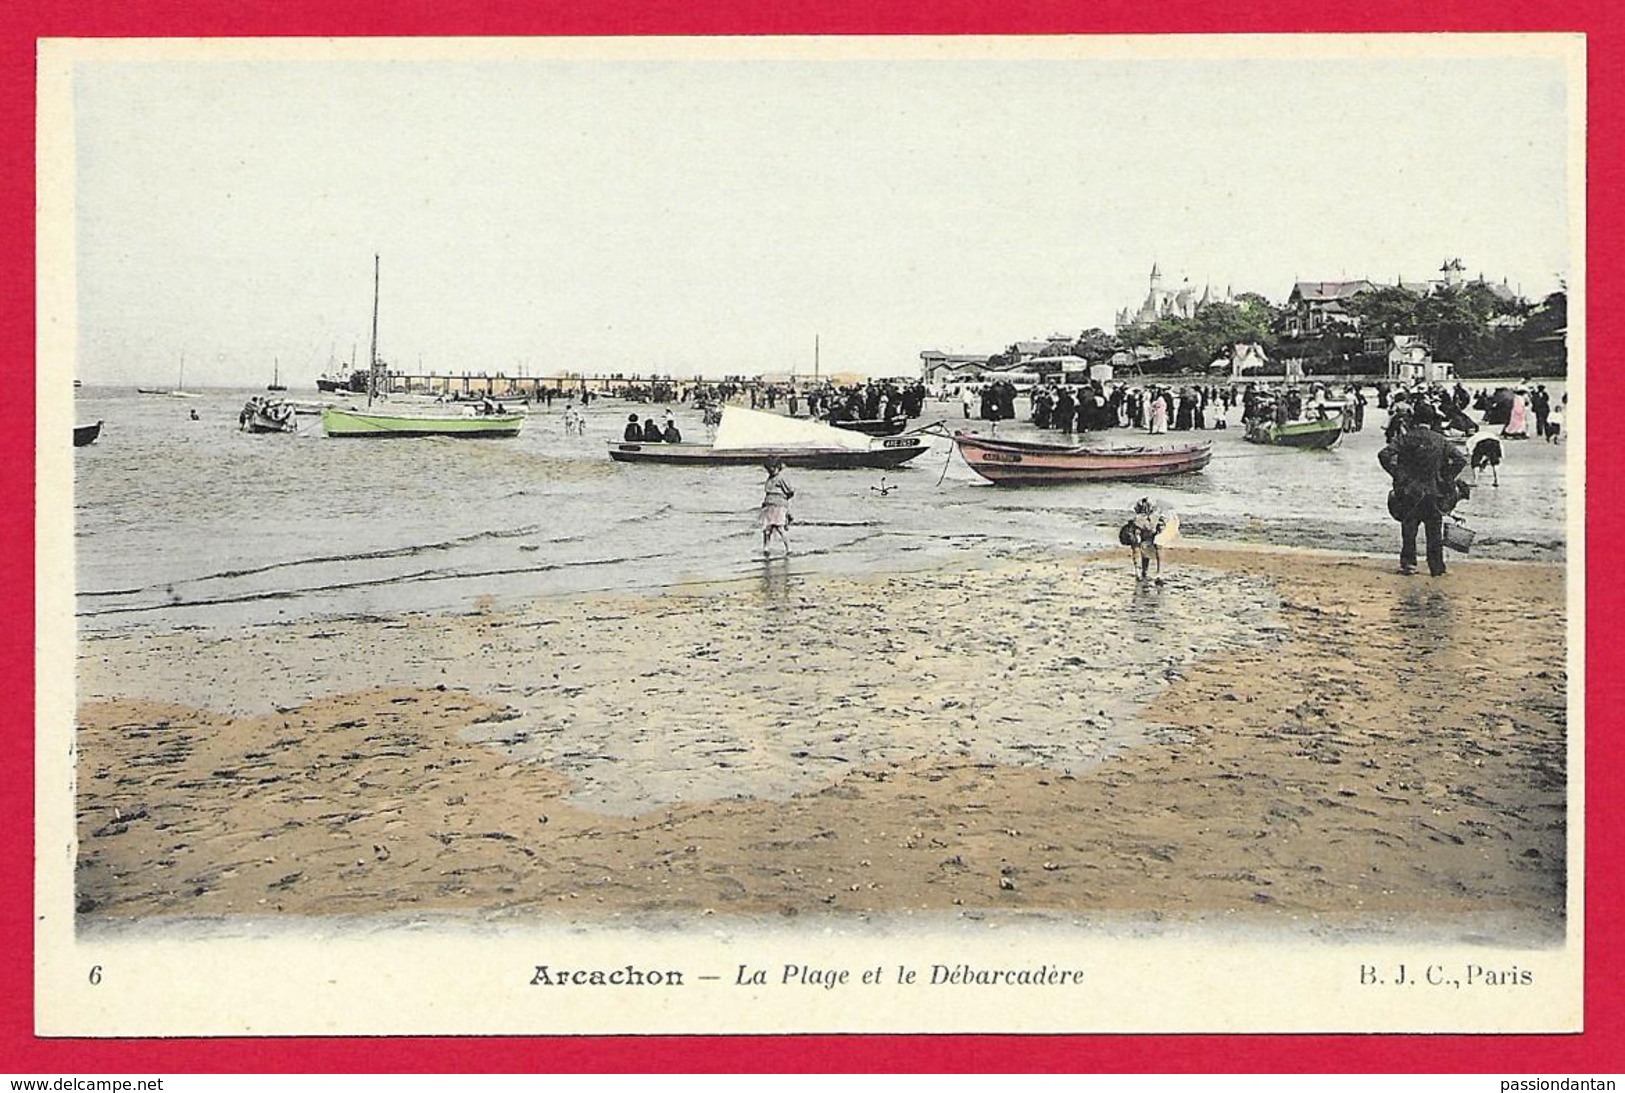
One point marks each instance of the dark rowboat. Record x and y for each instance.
(889, 452)
(1028, 463)
(86, 434)
(1297, 434)
(263, 415)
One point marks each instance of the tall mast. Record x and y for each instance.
(372, 379)
(815, 358)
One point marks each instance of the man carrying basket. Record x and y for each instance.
(1423, 466)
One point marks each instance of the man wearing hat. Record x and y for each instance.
(1423, 466)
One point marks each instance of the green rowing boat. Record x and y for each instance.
(365, 423)
(1297, 434)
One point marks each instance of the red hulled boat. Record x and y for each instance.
(1029, 463)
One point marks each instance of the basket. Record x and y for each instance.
(1457, 535)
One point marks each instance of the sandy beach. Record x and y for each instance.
(1269, 736)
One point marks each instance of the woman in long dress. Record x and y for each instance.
(1159, 414)
(776, 494)
(1517, 425)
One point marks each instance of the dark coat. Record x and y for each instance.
(1423, 466)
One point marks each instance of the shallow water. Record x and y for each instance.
(193, 523)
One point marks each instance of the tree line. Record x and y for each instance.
(1469, 325)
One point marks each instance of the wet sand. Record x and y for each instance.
(1268, 736)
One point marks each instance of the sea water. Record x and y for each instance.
(194, 523)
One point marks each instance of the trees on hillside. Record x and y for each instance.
(1196, 342)
(1473, 325)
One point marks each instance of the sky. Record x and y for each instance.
(709, 216)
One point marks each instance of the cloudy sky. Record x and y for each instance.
(712, 214)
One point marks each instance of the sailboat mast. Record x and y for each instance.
(372, 381)
(815, 358)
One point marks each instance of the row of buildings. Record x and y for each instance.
(1312, 308)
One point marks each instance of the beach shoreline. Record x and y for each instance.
(1270, 737)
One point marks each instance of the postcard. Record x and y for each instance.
(810, 534)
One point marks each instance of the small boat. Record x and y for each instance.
(371, 423)
(263, 415)
(1030, 463)
(1297, 434)
(86, 434)
(460, 422)
(180, 390)
(151, 391)
(874, 426)
(751, 438)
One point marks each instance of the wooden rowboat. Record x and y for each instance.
(263, 415)
(1297, 434)
(1028, 463)
(86, 434)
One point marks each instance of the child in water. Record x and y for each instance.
(776, 494)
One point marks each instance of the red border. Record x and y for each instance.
(1600, 1049)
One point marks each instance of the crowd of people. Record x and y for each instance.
(1431, 438)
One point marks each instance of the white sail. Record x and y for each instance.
(743, 428)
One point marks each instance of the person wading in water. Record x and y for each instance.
(776, 494)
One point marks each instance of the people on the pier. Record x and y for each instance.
(776, 495)
(1422, 466)
(634, 431)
